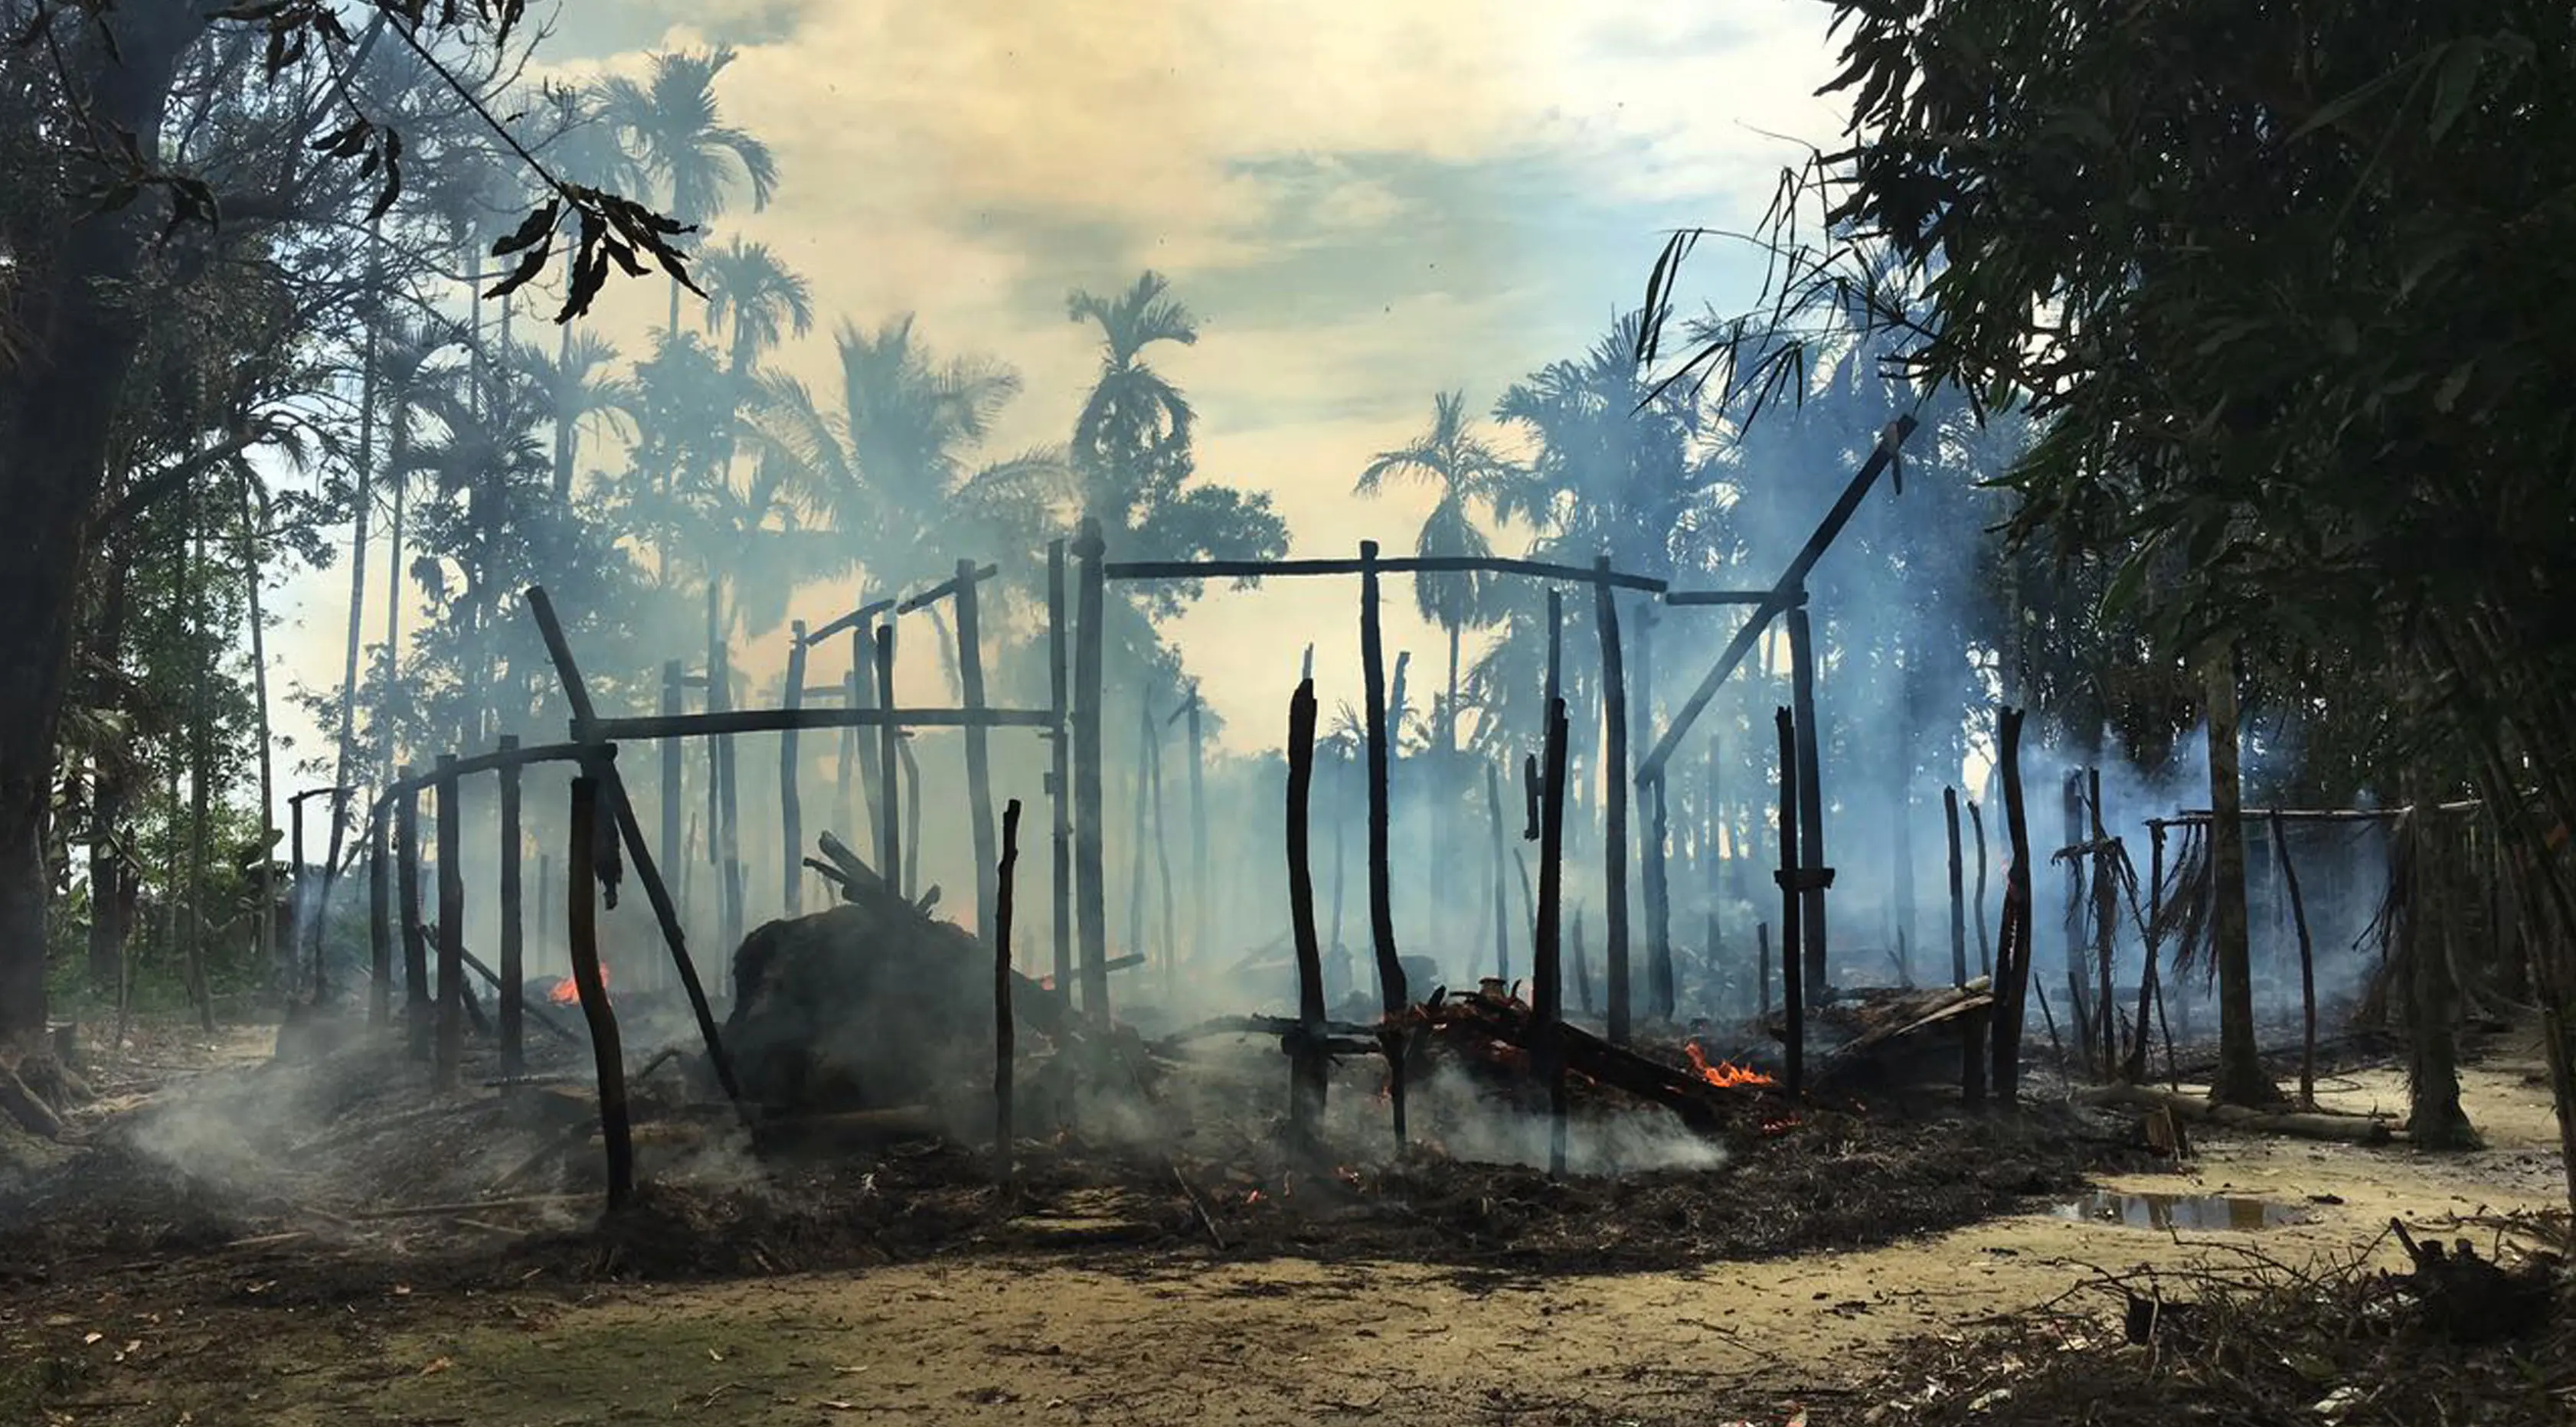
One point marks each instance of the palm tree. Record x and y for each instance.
(1457, 463)
(683, 403)
(575, 386)
(674, 127)
(762, 297)
(895, 458)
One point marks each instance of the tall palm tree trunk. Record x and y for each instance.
(2241, 1078)
(363, 507)
(399, 447)
(265, 922)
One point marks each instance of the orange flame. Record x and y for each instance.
(1726, 1074)
(567, 991)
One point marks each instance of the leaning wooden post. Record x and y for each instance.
(2307, 967)
(889, 766)
(1977, 903)
(1390, 971)
(1003, 1040)
(672, 758)
(1091, 886)
(979, 760)
(1306, 1066)
(1815, 877)
(584, 720)
(1661, 993)
(1614, 783)
(380, 930)
(1547, 979)
(514, 950)
(1060, 773)
(1793, 980)
(451, 927)
(1502, 921)
(582, 925)
(791, 793)
(407, 892)
(1958, 890)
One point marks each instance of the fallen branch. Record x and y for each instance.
(2313, 1125)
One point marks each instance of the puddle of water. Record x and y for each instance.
(2163, 1212)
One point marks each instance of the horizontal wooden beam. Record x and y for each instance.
(492, 762)
(943, 590)
(1709, 597)
(2199, 817)
(1410, 565)
(709, 725)
(852, 620)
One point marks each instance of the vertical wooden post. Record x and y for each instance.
(1004, 1048)
(1582, 965)
(1811, 806)
(1306, 1067)
(1762, 964)
(1199, 925)
(380, 931)
(1793, 870)
(713, 701)
(2079, 999)
(672, 849)
(979, 762)
(1091, 888)
(791, 793)
(1547, 980)
(300, 908)
(1390, 971)
(2106, 922)
(514, 949)
(1060, 771)
(1502, 920)
(1713, 857)
(1136, 845)
(889, 772)
(451, 926)
(1614, 787)
(730, 823)
(416, 1009)
(2155, 943)
(607, 1056)
(1977, 904)
(1555, 687)
(1661, 992)
(2307, 967)
(2012, 948)
(1162, 857)
(863, 683)
(1958, 890)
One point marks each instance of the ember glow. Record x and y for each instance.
(1726, 1074)
(567, 991)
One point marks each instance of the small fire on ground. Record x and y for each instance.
(1725, 1074)
(567, 991)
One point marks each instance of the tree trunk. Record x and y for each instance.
(2241, 1080)
(2432, 997)
(266, 921)
(109, 873)
(201, 773)
(361, 509)
(58, 405)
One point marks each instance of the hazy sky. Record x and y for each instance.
(1365, 203)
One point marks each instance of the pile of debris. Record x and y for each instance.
(1498, 1038)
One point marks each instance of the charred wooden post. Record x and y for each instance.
(791, 794)
(585, 722)
(1547, 990)
(1660, 990)
(514, 949)
(1555, 651)
(673, 755)
(1712, 870)
(1060, 772)
(1162, 858)
(415, 939)
(1614, 781)
(912, 805)
(1390, 971)
(2079, 997)
(1811, 804)
(2307, 966)
(1003, 1048)
(729, 825)
(581, 924)
(1091, 887)
(1762, 963)
(380, 931)
(1502, 922)
(1136, 844)
(1199, 925)
(1977, 904)
(1958, 890)
(889, 769)
(715, 701)
(2106, 923)
(451, 927)
(2013, 946)
(300, 904)
(1793, 990)
(862, 793)
(1306, 1073)
(979, 757)
(1582, 967)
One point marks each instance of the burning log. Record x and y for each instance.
(1500, 1034)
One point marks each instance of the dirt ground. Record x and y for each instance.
(1172, 1332)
